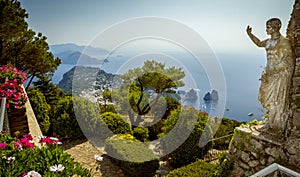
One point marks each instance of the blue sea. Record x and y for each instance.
(241, 73)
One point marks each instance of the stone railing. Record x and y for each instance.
(276, 169)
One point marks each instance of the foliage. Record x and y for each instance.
(17, 159)
(64, 122)
(141, 133)
(146, 85)
(186, 120)
(87, 115)
(254, 122)
(40, 108)
(20, 45)
(116, 123)
(225, 166)
(51, 92)
(196, 169)
(226, 127)
(137, 159)
(105, 102)
(172, 103)
(204, 169)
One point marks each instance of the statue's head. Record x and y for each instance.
(273, 25)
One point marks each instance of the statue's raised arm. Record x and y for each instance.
(255, 40)
(277, 76)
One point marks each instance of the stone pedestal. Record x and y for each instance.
(253, 150)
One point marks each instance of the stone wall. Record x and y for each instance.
(293, 33)
(253, 150)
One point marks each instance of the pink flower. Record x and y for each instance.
(2, 145)
(26, 143)
(18, 145)
(28, 137)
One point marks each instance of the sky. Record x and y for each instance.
(221, 23)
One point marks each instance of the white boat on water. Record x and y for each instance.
(250, 114)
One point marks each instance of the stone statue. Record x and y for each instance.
(277, 75)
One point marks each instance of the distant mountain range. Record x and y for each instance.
(71, 53)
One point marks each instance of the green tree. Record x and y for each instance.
(21, 46)
(105, 102)
(51, 91)
(146, 85)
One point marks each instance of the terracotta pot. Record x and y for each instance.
(18, 122)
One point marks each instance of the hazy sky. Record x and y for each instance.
(221, 23)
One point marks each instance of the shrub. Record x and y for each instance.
(186, 120)
(225, 166)
(40, 108)
(20, 156)
(64, 122)
(116, 123)
(87, 115)
(226, 127)
(134, 158)
(156, 129)
(141, 133)
(196, 169)
(205, 169)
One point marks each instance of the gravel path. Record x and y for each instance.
(83, 152)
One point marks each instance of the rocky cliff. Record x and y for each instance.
(293, 33)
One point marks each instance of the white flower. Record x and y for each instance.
(54, 139)
(11, 160)
(32, 174)
(98, 158)
(57, 168)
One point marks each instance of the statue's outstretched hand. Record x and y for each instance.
(249, 30)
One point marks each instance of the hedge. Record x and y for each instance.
(116, 123)
(135, 160)
(205, 169)
(196, 169)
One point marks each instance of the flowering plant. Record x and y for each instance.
(15, 96)
(8, 72)
(11, 79)
(21, 158)
(49, 140)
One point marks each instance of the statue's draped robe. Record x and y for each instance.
(276, 81)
